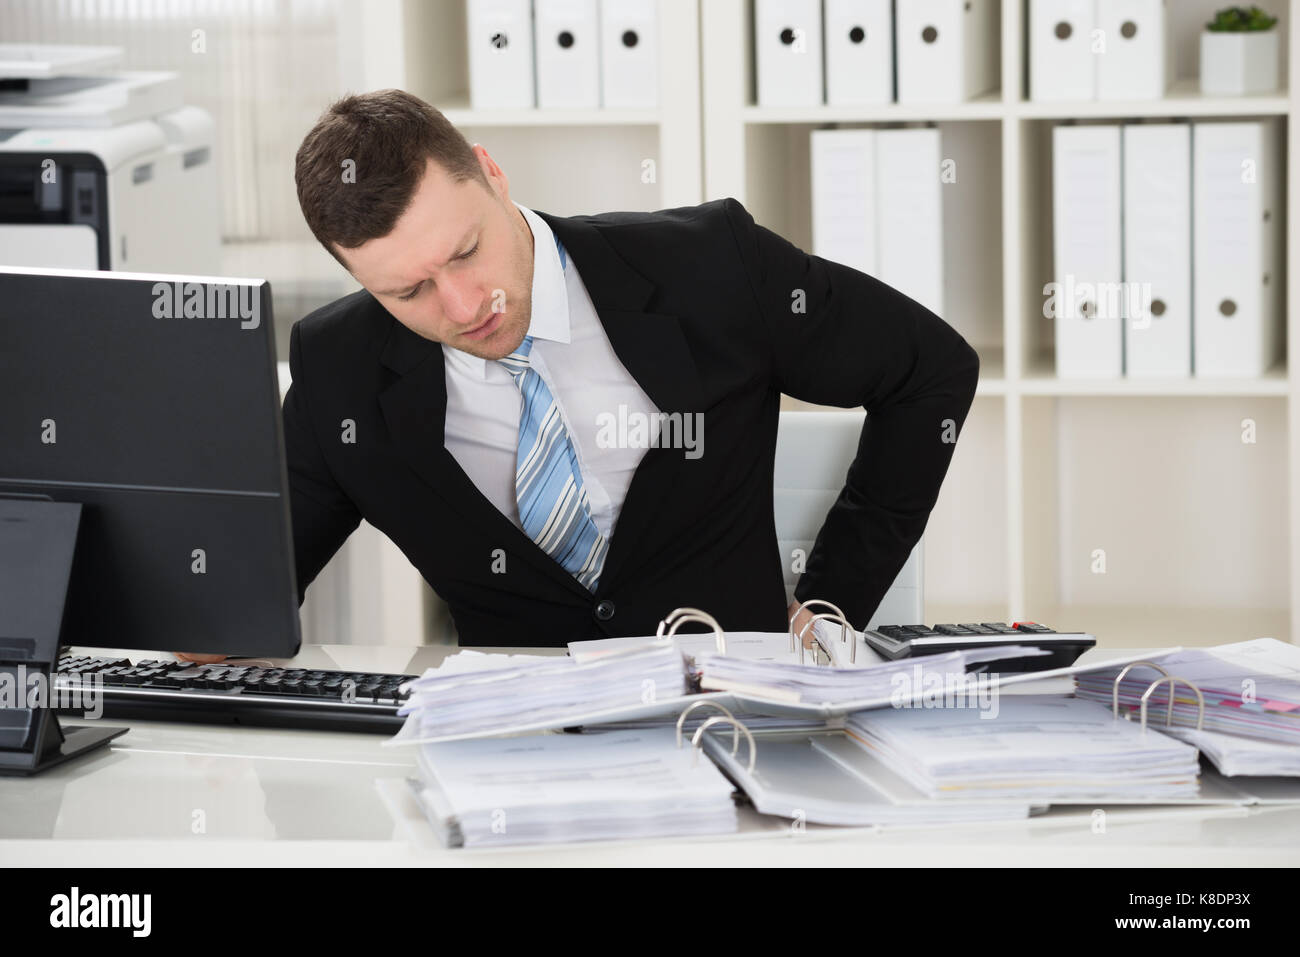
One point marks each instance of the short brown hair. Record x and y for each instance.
(389, 135)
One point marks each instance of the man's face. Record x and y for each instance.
(457, 267)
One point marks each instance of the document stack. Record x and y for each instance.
(1235, 756)
(471, 697)
(1030, 747)
(889, 682)
(751, 645)
(548, 788)
(827, 633)
(1238, 703)
(825, 778)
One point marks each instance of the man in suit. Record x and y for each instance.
(568, 424)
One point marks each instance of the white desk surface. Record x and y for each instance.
(286, 797)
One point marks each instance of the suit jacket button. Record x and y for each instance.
(605, 610)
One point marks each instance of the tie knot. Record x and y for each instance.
(518, 361)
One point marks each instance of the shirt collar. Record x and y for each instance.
(550, 296)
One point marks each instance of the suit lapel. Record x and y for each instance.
(654, 351)
(415, 410)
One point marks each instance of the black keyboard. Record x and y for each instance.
(232, 692)
(904, 641)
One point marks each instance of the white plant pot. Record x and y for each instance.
(1239, 64)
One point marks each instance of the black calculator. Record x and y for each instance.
(909, 641)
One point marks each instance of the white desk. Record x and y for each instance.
(207, 795)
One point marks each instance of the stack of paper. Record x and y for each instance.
(1046, 748)
(1251, 689)
(1236, 756)
(468, 696)
(878, 683)
(813, 778)
(750, 645)
(751, 714)
(753, 645)
(559, 787)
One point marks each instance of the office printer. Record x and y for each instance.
(103, 169)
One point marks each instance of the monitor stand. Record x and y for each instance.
(38, 539)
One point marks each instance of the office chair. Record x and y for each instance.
(813, 454)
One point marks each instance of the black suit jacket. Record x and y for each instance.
(710, 313)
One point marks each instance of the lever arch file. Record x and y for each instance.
(1088, 268)
(568, 54)
(1157, 250)
(946, 49)
(878, 206)
(1237, 247)
(788, 52)
(1136, 61)
(500, 42)
(859, 52)
(629, 53)
(1062, 65)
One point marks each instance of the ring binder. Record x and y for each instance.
(846, 634)
(820, 601)
(1114, 688)
(680, 616)
(681, 720)
(1169, 715)
(845, 628)
(718, 719)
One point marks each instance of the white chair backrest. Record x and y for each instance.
(813, 454)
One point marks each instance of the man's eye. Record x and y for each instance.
(416, 291)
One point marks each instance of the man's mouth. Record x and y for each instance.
(486, 329)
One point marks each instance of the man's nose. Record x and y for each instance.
(461, 302)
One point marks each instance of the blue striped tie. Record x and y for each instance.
(553, 506)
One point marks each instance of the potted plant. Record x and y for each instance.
(1239, 53)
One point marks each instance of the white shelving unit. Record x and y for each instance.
(1199, 531)
(562, 161)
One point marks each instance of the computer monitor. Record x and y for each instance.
(153, 402)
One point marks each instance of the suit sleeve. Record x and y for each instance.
(843, 338)
(322, 515)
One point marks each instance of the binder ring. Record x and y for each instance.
(681, 720)
(677, 612)
(1114, 688)
(718, 719)
(680, 616)
(810, 602)
(844, 634)
(1174, 680)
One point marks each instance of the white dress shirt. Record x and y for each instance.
(576, 361)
